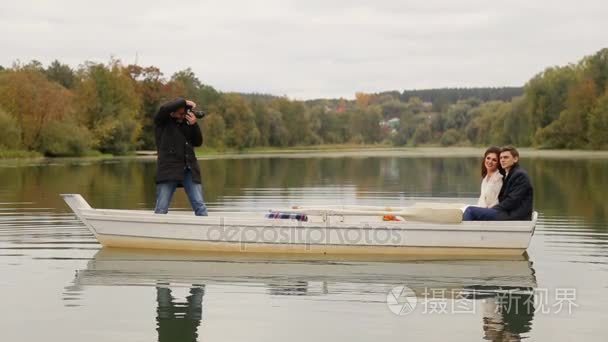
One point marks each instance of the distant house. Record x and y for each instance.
(390, 125)
(393, 123)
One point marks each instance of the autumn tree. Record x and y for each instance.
(10, 138)
(363, 100)
(34, 101)
(152, 91)
(296, 120)
(241, 131)
(598, 124)
(546, 94)
(109, 105)
(214, 130)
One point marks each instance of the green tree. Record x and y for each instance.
(214, 130)
(365, 125)
(498, 133)
(279, 135)
(241, 131)
(262, 121)
(407, 127)
(422, 135)
(110, 106)
(451, 137)
(315, 119)
(457, 115)
(296, 120)
(34, 66)
(596, 68)
(518, 123)
(65, 138)
(205, 96)
(152, 91)
(61, 73)
(11, 132)
(393, 109)
(570, 129)
(190, 82)
(478, 130)
(546, 94)
(598, 124)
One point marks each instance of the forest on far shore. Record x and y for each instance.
(57, 110)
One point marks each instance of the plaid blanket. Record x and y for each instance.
(292, 216)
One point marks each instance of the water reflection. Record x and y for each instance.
(125, 267)
(290, 288)
(557, 182)
(503, 287)
(507, 313)
(179, 320)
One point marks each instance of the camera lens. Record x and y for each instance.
(199, 114)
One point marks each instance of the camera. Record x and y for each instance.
(199, 114)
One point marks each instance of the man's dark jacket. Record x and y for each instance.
(516, 196)
(175, 142)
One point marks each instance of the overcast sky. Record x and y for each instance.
(313, 48)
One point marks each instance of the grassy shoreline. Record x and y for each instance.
(19, 154)
(346, 150)
(389, 151)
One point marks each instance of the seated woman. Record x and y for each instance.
(491, 178)
(491, 182)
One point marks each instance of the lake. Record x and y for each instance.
(57, 283)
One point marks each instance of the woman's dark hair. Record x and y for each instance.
(492, 149)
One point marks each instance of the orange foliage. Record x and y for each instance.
(34, 101)
(582, 95)
(363, 99)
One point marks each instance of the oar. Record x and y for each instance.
(434, 205)
(440, 205)
(351, 207)
(444, 215)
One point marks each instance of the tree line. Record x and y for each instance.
(58, 110)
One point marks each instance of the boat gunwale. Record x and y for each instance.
(473, 226)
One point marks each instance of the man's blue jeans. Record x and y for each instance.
(480, 214)
(165, 191)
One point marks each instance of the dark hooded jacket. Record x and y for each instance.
(175, 142)
(515, 199)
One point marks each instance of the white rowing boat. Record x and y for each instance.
(329, 230)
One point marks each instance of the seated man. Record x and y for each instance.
(515, 197)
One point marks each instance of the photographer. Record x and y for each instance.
(176, 134)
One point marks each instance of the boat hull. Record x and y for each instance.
(260, 247)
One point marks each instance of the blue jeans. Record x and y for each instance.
(480, 214)
(165, 191)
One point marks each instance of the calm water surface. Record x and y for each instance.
(57, 284)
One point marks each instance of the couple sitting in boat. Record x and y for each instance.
(506, 191)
